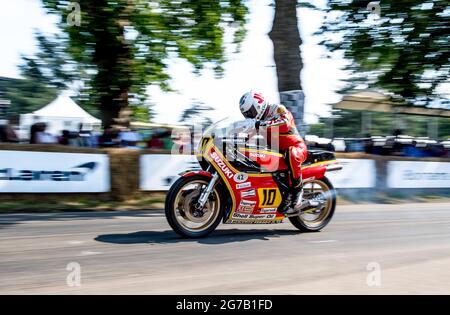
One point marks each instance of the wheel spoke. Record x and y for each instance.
(314, 217)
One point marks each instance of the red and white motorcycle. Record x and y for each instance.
(240, 183)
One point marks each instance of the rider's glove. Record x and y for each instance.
(247, 125)
(258, 124)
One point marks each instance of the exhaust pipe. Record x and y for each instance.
(334, 167)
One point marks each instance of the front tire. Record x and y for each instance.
(181, 214)
(319, 218)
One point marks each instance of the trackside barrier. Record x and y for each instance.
(37, 172)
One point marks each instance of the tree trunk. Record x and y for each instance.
(112, 56)
(286, 43)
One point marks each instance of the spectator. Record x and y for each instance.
(64, 139)
(436, 150)
(109, 138)
(167, 140)
(182, 143)
(155, 142)
(7, 134)
(33, 132)
(38, 135)
(85, 137)
(129, 138)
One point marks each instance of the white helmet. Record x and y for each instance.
(252, 105)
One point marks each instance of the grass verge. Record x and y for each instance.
(156, 201)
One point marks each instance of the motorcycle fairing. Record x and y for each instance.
(190, 173)
(268, 160)
(255, 197)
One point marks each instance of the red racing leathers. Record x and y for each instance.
(279, 124)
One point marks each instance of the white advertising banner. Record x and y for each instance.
(159, 171)
(355, 173)
(48, 172)
(412, 174)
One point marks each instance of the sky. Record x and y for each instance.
(252, 68)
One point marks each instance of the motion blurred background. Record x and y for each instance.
(360, 77)
(102, 102)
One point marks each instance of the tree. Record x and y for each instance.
(403, 52)
(194, 115)
(286, 40)
(43, 75)
(53, 68)
(125, 44)
(286, 45)
(52, 65)
(26, 95)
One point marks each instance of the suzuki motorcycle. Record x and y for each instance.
(241, 182)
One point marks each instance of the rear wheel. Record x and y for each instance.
(181, 213)
(315, 219)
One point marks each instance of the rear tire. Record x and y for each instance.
(305, 226)
(174, 212)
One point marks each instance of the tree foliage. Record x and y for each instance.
(52, 64)
(403, 51)
(26, 95)
(196, 114)
(124, 45)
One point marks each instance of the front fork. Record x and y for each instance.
(205, 193)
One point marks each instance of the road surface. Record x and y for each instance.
(367, 249)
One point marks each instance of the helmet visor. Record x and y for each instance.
(251, 112)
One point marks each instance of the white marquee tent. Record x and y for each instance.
(61, 114)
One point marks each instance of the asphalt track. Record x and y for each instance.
(367, 249)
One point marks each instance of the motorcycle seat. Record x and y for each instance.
(316, 156)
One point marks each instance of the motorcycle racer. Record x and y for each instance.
(279, 122)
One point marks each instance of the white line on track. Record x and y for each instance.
(88, 253)
(75, 242)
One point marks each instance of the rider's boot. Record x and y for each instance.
(298, 202)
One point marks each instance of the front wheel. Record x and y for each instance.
(315, 219)
(181, 213)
